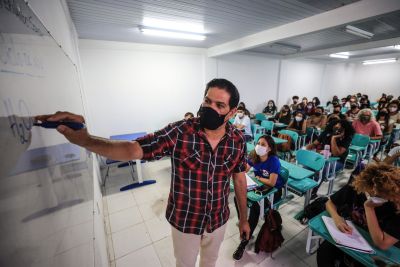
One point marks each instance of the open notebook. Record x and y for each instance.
(250, 183)
(355, 241)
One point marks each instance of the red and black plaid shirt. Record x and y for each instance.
(198, 199)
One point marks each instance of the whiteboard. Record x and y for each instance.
(46, 183)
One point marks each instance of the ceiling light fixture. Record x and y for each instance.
(339, 56)
(172, 34)
(396, 47)
(379, 61)
(289, 47)
(181, 26)
(356, 31)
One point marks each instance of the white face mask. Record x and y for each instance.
(261, 150)
(393, 109)
(298, 118)
(240, 115)
(376, 200)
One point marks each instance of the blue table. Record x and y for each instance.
(279, 140)
(317, 226)
(131, 137)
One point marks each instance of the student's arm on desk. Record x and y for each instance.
(381, 239)
(117, 150)
(339, 221)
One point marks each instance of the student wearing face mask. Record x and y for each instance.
(338, 135)
(382, 103)
(351, 101)
(366, 124)
(246, 111)
(364, 103)
(394, 114)
(266, 167)
(242, 122)
(352, 113)
(309, 109)
(318, 119)
(372, 202)
(295, 100)
(270, 109)
(316, 101)
(336, 112)
(284, 115)
(298, 124)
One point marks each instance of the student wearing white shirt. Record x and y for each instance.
(242, 122)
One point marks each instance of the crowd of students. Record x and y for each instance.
(335, 124)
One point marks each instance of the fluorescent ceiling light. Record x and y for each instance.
(396, 46)
(338, 55)
(356, 31)
(181, 26)
(289, 47)
(379, 61)
(172, 34)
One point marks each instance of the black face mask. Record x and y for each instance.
(318, 114)
(336, 111)
(210, 119)
(364, 118)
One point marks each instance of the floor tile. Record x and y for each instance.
(130, 239)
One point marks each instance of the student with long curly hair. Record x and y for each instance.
(371, 201)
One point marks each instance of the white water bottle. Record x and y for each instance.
(327, 151)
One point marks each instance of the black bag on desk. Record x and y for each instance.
(313, 209)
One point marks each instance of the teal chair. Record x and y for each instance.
(257, 129)
(375, 112)
(232, 120)
(260, 117)
(268, 126)
(343, 110)
(284, 173)
(357, 149)
(314, 162)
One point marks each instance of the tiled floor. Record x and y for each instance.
(139, 235)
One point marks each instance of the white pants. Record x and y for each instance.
(187, 246)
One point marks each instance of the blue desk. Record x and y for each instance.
(279, 140)
(299, 180)
(316, 225)
(131, 137)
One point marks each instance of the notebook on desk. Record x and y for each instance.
(250, 183)
(355, 241)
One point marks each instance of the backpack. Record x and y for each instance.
(313, 209)
(270, 236)
(285, 147)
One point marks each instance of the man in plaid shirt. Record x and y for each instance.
(205, 152)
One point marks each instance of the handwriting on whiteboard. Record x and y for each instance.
(19, 125)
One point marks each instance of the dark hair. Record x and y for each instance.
(228, 87)
(348, 128)
(337, 106)
(242, 104)
(240, 108)
(395, 102)
(285, 107)
(189, 114)
(295, 97)
(317, 102)
(319, 107)
(271, 143)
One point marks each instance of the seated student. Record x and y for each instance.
(188, 115)
(393, 155)
(304, 101)
(337, 108)
(382, 103)
(383, 119)
(350, 101)
(266, 167)
(364, 102)
(242, 122)
(298, 124)
(352, 113)
(316, 101)
(338, 135)
(295, 100)
(394, 114)
(309, 109)
(318, 119)
(246, 112)
(270, 109)
(365, 124)
(284, 115)
(353, 202)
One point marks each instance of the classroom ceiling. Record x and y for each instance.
(228, 20)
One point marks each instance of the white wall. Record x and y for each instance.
(301, 78)
(373, 80)
(255, 76)
(132, 88)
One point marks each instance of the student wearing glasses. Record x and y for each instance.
(266, 165)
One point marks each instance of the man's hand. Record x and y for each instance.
(244, 229)
(79, 137)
